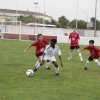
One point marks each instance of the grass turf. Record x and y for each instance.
(74, 84)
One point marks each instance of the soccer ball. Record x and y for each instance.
(29, 72)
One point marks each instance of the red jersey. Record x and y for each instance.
(40, 46)
(94, 51)
(74, 38)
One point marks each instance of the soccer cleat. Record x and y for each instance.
(85, 68)
(48, 68)
(81, 60)
(35, 70)
(58, 74)
(69, 58)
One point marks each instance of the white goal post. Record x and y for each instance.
(11, 27)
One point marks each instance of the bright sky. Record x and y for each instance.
(57, 8)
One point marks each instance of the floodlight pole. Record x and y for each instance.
(35, 21)
(44, 17)
(95, 33)
(87, 18)
(39, 15)
(76, 14)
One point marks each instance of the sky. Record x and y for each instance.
(57, 8)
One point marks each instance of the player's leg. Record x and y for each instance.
(87, 63)
(0, 38)
(37, 65)
(97, 62)
(79, 54)
(56, 68)
(40, 64)
(53, 60)
(47, 65)
(70, 53)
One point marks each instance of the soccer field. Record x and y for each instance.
(74, 84)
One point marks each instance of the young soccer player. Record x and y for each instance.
(0, 35)
(94, 53)
(40, 45)
(48, 55)
(74, 43)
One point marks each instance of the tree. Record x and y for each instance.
(82, 24)
(73, 23)
(63, 21)
(58, 25)
(26, 19)
(97, 23)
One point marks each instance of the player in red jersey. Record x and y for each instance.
(74, 40)
(40, 45)
(94, 53)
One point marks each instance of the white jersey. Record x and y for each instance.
(49, 51)
(0, 33)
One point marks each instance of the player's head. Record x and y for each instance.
(53, 42)
(91, 42)
(40, 37)
(74, 29)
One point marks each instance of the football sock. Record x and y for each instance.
(37, 66)
(57, 69)
(36, 63)
(70, 54)
(97, 62)
(87, 63)
(47, 64)
(80, 56)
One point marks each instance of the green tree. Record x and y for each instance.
(58, 25)
(63, 21)
(73, 23)
(26, 19)
(82, 24)
(97, 23)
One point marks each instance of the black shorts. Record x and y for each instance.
(0, 36)
(39, 54)
(91, 58)
(74, 47)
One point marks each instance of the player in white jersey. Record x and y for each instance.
(48, 55)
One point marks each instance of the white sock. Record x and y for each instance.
(36, 63)
(87, 63)
(80, 56)
(37, 66)
(97, 62)
(70, 54)
(57, 69)
(47, 64)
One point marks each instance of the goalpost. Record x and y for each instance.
(12, 28)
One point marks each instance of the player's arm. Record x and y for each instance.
(27, 48)
(97, 50)
(45, 51)
(87, 47)
(78, 38)
(60, 58)
(69, 38)
(80, 50)
(59, 55)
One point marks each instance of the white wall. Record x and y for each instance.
(83, 40)
(46, 30)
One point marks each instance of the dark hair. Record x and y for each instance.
(39, 35)
(92, 41)
(53, 41)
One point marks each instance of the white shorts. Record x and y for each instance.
(51, 59)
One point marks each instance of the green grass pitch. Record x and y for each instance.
(74, 84)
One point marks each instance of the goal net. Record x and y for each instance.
(11, 29)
